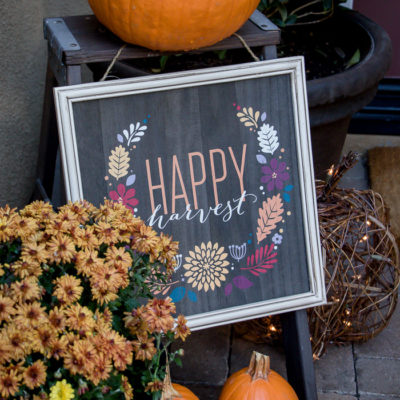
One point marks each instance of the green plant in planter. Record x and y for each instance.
(299, 12)
(77, 313)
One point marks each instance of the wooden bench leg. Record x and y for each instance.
(48, 141)
(299, 359)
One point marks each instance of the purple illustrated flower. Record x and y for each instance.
(277, 238)
(126, 197)
(274, 174)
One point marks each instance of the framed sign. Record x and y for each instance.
(221, 160)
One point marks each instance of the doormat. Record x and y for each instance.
(384, 173)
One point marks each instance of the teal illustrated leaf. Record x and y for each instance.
(288, 188)
(286, 197)
(228, 289)
(178, 294)
(131, 180)
(192, 296)
(261, 159)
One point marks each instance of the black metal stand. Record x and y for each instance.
(78, 41)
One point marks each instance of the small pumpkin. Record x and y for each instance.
(173, 25)
(173, 391)
(257, 382)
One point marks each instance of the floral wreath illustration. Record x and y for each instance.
(207, 266)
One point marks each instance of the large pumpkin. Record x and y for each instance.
(258, 382)
(173, 391)
(172, 25)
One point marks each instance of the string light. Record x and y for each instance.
(272, 328)
(330, 172)
(347, 323)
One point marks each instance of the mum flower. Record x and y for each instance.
(9, 383)
(144, 348)
(61, 391)
(61, 249)
(68, 289)
(6, 308)
(181, 329)
(35, 375)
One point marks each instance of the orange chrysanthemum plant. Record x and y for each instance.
(77, 315)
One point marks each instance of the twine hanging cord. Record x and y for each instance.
(114, 60)
(247, 47)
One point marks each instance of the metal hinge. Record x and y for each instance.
(259, 19)
(59, 36)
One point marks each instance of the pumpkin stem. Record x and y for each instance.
(259, 367)
(169, 393)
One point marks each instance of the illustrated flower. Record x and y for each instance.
(61, 391)
(238, 252)
(206, 266)
(275, 174)
(277, 238)
(125, 197)
(178, 260)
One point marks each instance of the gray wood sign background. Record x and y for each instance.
(216, 165)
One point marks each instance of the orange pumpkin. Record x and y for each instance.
(172, 25)
(173, 391)
(258, 382)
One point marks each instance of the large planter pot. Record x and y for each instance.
(333, 100)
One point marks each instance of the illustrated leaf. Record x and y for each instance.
(120, 138)
(166, 290)
(228, 289)
(118, 162)
(248, 117)
(131, 180)
(136, 132)
(192, 296)
(178, 294)
(261, 261)
(242, 282)
(261, 159)
(268, 138)
(286, 197)
(270, 214)
(288, 188)
(263, 116)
